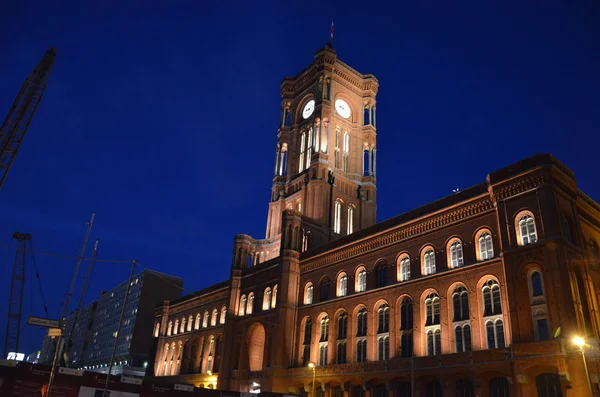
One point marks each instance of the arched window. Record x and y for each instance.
(336, 148)
(462, 338)
(308, 294)
(406, 314)
(404, 268)
(491, 298)
(341, 338)
(197, 323)
(156, 330)
(536, 284)
(306, 343)
(299, 205)
(274, 297)
(548, 385)
(176, 327)
(205, 320)
(213, 319)
(362, 281)
(361, 335)
(337, 217)
(432, 309)
(182, 329)
(324, 338)
(460, 304)
(434, 342)
(243, 302)
(429, 261)
(190, 322)
(456, 254)
(381, 275)
(350, 224)
(527, 230)
(383, 347)
(495, 334)
(250, 304)
(361, 322)
(324, 290)
(302, 156)
(267, 299)
(223, 314)
(309, 147)
(406, 344)
(211, 354)
(342, 289)
(383, 319)
(486, 247)
(346, 151)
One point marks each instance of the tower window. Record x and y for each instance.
(301, 165)
(346, 151)
(350, 225)
(337, 217)
(336, 155)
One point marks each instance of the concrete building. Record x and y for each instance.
(479, 293)
(96, 326)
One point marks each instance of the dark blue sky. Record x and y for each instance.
(161, 117)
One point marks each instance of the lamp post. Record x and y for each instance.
(580, 342)
(314, 368)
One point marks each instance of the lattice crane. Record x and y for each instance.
(21, 113)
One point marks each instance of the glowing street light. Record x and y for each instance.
(314, 368)
(580, 342)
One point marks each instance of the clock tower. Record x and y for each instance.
(325, 166)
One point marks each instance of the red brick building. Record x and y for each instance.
(476, 294)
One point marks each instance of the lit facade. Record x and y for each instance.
(478, 293)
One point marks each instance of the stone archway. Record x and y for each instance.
(256, 347)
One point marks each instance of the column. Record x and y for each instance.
(370, 168)
(318, 132)
(283, 117)
(370, 114)
(375, 162)
(277, 155)
(375, 117)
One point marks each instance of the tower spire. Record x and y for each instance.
(330, 44)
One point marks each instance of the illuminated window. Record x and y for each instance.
(350, 225)
(456, 254)
(495, 334)
(486, 248)
(404, 268)
(429, 261)
(308, 294)
(491, 298)
(346, 151)
(267, 299)
(337, 217)
(527, 230)
(302, 156)
(343, 285)
(432, 309)
(362, 281)
(223, 314)
(243, 302)
(250, 305)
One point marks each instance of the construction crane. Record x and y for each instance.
(21, 113)
(13, 326)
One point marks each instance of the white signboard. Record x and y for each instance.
(15, 356)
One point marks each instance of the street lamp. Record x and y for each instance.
(314, 368)
(580, 342)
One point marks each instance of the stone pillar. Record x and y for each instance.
(370, 167)
(375, 162)
(375, 117)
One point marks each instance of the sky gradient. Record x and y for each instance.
(163, 120)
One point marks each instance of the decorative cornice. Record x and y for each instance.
(520, 186)
(401, 233)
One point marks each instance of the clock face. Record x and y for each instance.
(309, 108)
(342, 108)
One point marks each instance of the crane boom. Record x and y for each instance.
(21, 113)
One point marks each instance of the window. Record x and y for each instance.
(309, 148)
(406, 314)
(434, 342)
(460, 304)
(486, 248)
(346, 151)
(456, 254)
(190, 322)
(462, 338)
(350, 224)
(362, 281)
(322, 354)
(197, 324)
(336, 152)
(342, 326)
(491, 298)
(156, 330)
(542, 329)
(250, 305)
(383, 347)
(361, 350)
(383, 318)
(274, 297)
(243, 303)
(343, 285)
(267, 299)
(527, 229)
(183, 322)
(495, 334)
(325, 284)
(405, 268)
(170, 328)
(429, 261)
(307, 342)
(381, 275)
(301, 166)
(324, 329)
(223, 314)
(464, 388)
(341, 352)
(308, 294)
(361, 323)
(432, 309)
(337, 217)
(176, 328)
(406, 344)
(499, 387)
(536, 284)
(548, 385)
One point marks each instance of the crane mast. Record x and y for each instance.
(21, 113)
